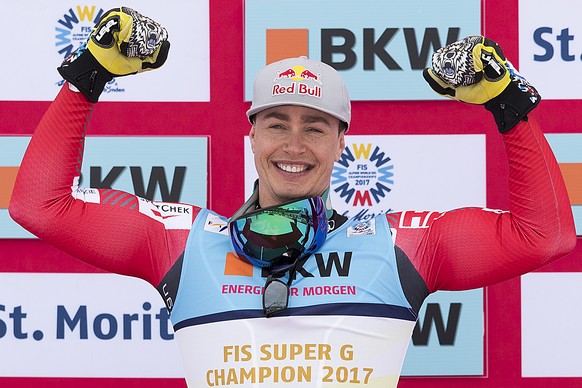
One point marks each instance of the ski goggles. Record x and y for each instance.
(280, 234)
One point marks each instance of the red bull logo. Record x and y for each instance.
(307, 74)
(289, 73)
(299, 74)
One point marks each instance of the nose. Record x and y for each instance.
(294, 143)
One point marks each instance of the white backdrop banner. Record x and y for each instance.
(550, 47)
(551, 345)
(84, 325)
(50, 30)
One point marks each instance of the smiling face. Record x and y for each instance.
(295, 149)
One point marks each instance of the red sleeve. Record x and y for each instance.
(473, 247)
(104, 228)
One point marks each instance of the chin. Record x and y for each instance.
(295, 194)
(287, 195)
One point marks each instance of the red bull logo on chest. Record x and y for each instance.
(299, 74)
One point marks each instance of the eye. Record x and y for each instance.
(276, 126)
(317, 129)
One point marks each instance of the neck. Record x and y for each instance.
(253, 202)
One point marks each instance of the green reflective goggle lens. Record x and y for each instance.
(281, 233)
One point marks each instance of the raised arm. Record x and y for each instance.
(112, 230)
(472, 247)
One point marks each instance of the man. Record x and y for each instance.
(278, 331)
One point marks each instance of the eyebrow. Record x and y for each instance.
(304, 118)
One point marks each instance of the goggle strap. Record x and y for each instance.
(250, 204)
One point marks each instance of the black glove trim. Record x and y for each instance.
(86, 74)
(161, 58)
(436, 86)
(512, 106)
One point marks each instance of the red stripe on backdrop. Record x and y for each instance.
(33, 255)
(226, 114)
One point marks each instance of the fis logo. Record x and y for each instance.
(74, 27)
(362, 178)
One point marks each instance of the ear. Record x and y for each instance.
(341, 146)
(252, 133)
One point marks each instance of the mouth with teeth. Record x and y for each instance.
(293, 168)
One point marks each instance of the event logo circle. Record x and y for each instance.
(361, 180)
(74, 27)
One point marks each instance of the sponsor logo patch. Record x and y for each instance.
(216, 224)
(364, 228)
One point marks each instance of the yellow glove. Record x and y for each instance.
(470, 70)
(474, 70)
(126, 42)
(123, 42)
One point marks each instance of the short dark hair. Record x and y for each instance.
(343, 126)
